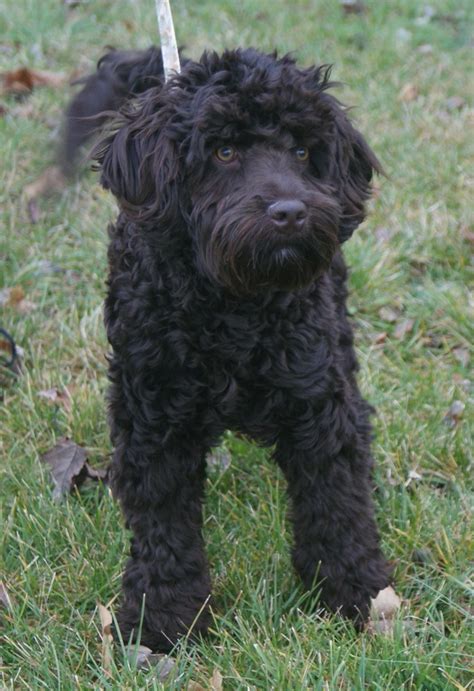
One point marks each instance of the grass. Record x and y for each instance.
(412, 256)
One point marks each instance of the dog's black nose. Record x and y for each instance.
(288, 214)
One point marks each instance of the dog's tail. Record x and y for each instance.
(120, 76)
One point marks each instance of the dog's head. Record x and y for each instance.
(248, 160)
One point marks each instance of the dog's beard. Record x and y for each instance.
(240, 248)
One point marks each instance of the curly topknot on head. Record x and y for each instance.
(160, 163)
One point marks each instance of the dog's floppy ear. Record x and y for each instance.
(354, 164)
(139, 164)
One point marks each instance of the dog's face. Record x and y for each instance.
(248, 160)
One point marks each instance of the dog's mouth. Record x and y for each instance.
(242, 250)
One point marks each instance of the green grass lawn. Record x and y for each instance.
(411, 266)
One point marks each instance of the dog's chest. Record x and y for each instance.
(280, 345)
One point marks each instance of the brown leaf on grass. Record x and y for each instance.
(54, 395)
(9, 297)
(379, 338)
(17, 82)
(51, 180)
(216, 681)
(24, 110)
(433, 340)
(353, 7)
(467, 235)
(413, 476)
(129, 25)
(409, 92)
(142, 657)
(3, 110)
(403, 328)
(462, 355)
(33, 211)
(418, 266)
(23, 80)
(69, 467)
(455, 103)
(388, 314)
(67, 461)
(106, 637)
(454, 414)
(6, 601)
(15, 298)
(425, 49)
(99, 474)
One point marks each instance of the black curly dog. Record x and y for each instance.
(237, 181)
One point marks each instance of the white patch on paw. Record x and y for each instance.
(383, 610)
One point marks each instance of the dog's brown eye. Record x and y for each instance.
(302, 153)
(225, 154)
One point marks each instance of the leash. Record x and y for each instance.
(169, 48)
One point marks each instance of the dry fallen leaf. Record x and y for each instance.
(69, 467)
(54, 395)
(455, 413)
(51, 180)
(433, 340)
(23, 80)
(425, 49)
(106, 636)
(379, 338)
(9, 297)
(467, 234)
(462, 355)
(403, 328)
(455, 103)
(15, 298)
(409, 92)
(67, 461)
(388, 314)
(216, 681)
(353, 7)
(100, 474)
(413, 476)
(144, 658)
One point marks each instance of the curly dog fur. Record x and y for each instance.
(237, 182)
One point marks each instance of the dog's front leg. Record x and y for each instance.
(166, 584)
(327, 464)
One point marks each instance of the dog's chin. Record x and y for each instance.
(285, 269)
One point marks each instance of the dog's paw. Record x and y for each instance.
(161, 627)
